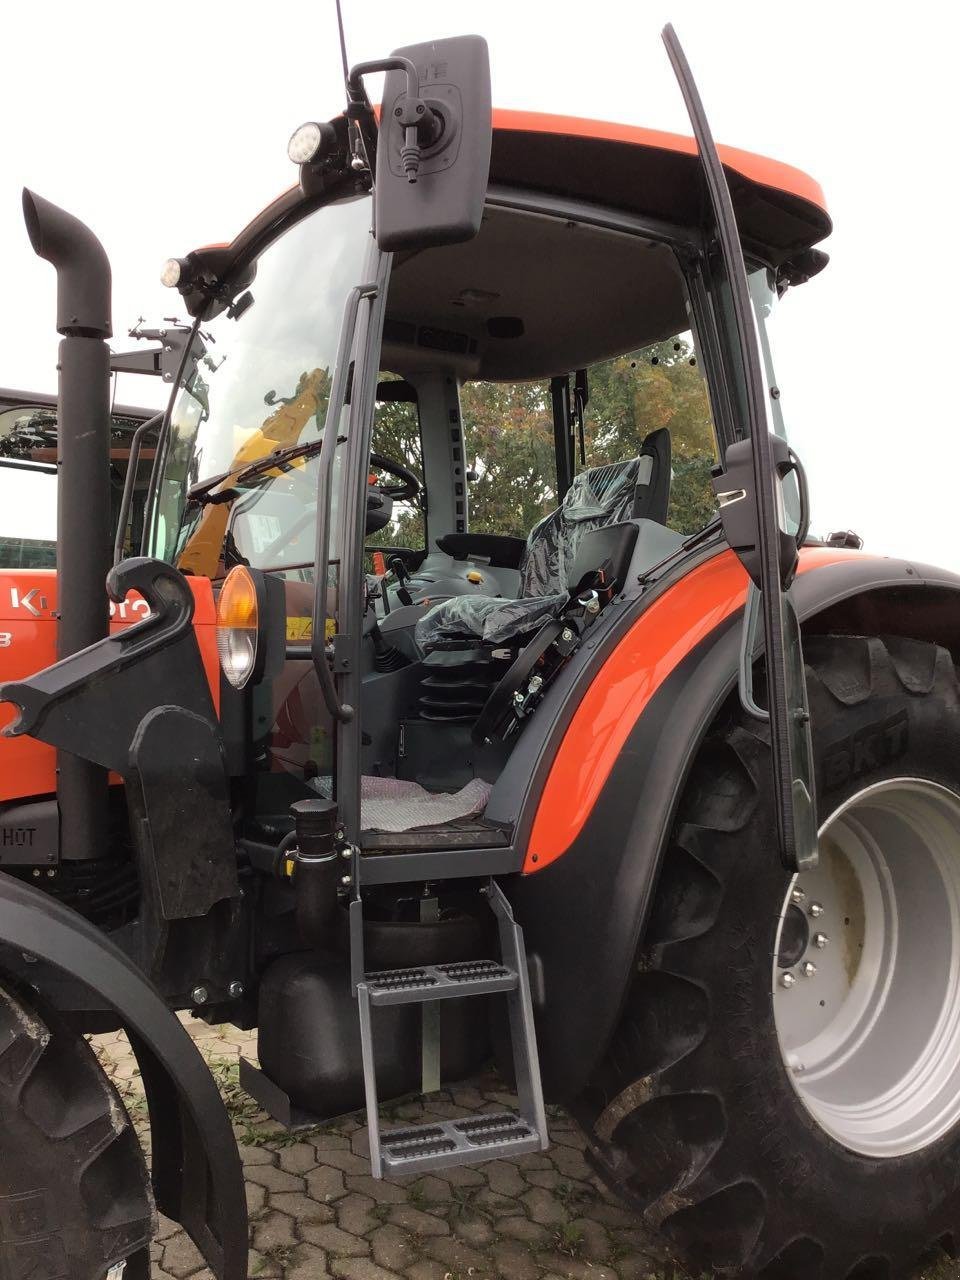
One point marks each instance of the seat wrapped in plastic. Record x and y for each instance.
(486, 619)
(598, 497)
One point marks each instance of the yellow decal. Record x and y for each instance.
(302, 628)
(299, 628)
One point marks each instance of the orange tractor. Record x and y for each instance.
(478, 691)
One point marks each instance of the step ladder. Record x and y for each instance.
(470, 1140)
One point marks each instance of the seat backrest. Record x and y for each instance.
(638, 488)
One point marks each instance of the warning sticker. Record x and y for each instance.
(302, 629)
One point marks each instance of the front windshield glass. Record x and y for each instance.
(261, 384)
(28, 516)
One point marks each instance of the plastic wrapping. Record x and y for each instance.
(394, 804)
(597, 497)
(487, 619)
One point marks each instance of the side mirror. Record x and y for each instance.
(433, 155)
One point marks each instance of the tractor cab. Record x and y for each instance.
(512, 436)
(28, 476)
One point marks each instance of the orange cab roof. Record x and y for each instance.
(781, 211)
(755, 168)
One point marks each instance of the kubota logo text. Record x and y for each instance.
(33, 601)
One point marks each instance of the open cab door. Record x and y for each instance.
(748, 488)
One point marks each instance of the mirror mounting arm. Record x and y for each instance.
(421, 125)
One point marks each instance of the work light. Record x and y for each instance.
(305, 142)
(171, 273)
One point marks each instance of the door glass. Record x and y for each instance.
(635, 394)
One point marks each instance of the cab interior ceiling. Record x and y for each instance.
(530, 296)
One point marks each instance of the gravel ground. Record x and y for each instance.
(316, 1212)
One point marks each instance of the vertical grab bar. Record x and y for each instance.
(318, 646)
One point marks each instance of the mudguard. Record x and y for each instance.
(196, 1168)
(594, 833)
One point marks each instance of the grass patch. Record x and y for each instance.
(569, 1240)
(463, 1205)
(277, 1255)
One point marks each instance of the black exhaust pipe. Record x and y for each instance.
(83, 490)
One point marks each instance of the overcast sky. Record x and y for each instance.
(164, 126)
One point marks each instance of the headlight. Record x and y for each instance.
(238, 626)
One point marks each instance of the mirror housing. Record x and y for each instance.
(442, 203)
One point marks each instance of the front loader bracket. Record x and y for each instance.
(138, 703)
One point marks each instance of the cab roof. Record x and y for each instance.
(781, 211)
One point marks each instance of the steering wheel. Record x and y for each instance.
(409, 486)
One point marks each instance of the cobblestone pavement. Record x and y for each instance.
(316, 1212)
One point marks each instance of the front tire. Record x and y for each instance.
(819, 1139)
(75, 1198)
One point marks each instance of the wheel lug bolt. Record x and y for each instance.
(820, 940)
(787, 980)
(816, 910)
(798, 895)
(808, 968)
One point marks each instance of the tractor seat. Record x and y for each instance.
(598, 497)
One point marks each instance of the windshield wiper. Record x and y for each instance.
(202, 492)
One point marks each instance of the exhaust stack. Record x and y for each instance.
(83, 490)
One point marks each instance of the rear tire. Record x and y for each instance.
(75, 1195)
(693, 1116)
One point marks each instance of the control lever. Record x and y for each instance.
(399, 570)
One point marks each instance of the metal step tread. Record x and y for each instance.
(439, 982)
(449, 1142)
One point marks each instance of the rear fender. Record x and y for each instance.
(603, 817)
(196, 1168)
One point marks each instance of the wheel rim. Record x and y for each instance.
(866, 975)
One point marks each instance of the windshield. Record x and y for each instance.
(261, 384)
(28, 516)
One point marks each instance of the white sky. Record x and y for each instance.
(164, 127)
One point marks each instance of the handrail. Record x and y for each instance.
(318, 646)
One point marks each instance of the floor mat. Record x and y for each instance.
(393, 804)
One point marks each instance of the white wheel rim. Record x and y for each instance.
(870, 1035)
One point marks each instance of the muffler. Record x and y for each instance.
(83, 489)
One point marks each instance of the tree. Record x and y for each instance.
(635, 394)
(509, 434)
(508, 431)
